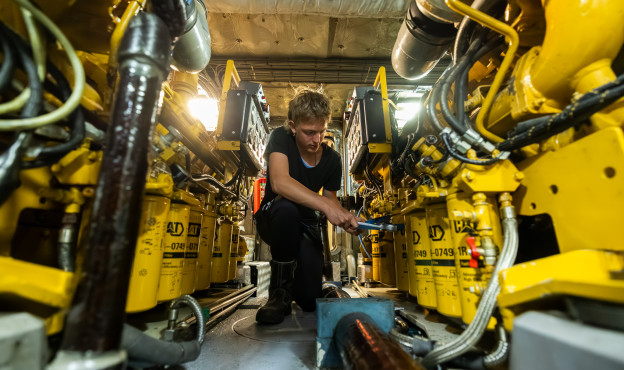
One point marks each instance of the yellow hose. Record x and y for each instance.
(512, 37)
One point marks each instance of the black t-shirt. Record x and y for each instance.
(327, 174)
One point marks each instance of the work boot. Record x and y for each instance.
(280, 293)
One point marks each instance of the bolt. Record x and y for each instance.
(431, 139)
(518, 176)
(468, 176)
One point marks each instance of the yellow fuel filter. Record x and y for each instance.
(387, 268)
(464, 233)
(206, 244)
(174, 247)
(443, 261)
(148, 256)
(192, 248)
(374, 237)
(234, 252)
(221, 253)
(400, 256)
(422, 285)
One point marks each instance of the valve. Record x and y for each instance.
(473, 251)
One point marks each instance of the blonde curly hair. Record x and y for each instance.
(308, 103)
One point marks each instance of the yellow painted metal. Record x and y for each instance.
(472, 281)
(230, 74)
(387, 274)
(374, 236)
(568, 184)
(206, 245)
(592, 274)
(234, 252)
(503, 176)
(40, 285)
(221, 253)
(512, 39)
(400, 257)
(161, 184)
(186, 197)
(423, 281)
(228, 145)
(78, 167)
(192, 247)
(379, 148)
(570, 60)
(380, 83)
(145, 276)
(174, 245)
(443, 261)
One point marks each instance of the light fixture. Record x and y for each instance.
(406, 111)
(206, 110)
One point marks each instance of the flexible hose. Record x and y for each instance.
(79, 77)
(475, 330)
(537, 129)
(145, 351)
(34, 102)
(197, 310)
(8, 64)
(457, 155)
(418, 345)
(433, 100)
(501, 353)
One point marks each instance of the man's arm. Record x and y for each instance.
(293, 190)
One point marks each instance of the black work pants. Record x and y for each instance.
(284, 226)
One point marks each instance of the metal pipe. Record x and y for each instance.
(362, 345)
(95, 321)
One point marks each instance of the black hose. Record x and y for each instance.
(10, 166)
(457, 155)
(460, 70)
(35, 101)
(457, 125)
(148, 351)
(541, 128)
(8, 63)
(76, 123)
(432, 100)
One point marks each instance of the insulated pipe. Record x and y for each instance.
(471, 336)
(95, 321)
(362, 345)
(146, 351)
(420, 44)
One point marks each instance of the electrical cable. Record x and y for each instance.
(457, 155)
(79, 77)
(34, 103)
(538, 129)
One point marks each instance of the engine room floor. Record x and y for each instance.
(238, 342)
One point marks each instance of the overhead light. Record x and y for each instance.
(206, 110)
(406, 111)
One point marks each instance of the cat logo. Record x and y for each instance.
(175, 228)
